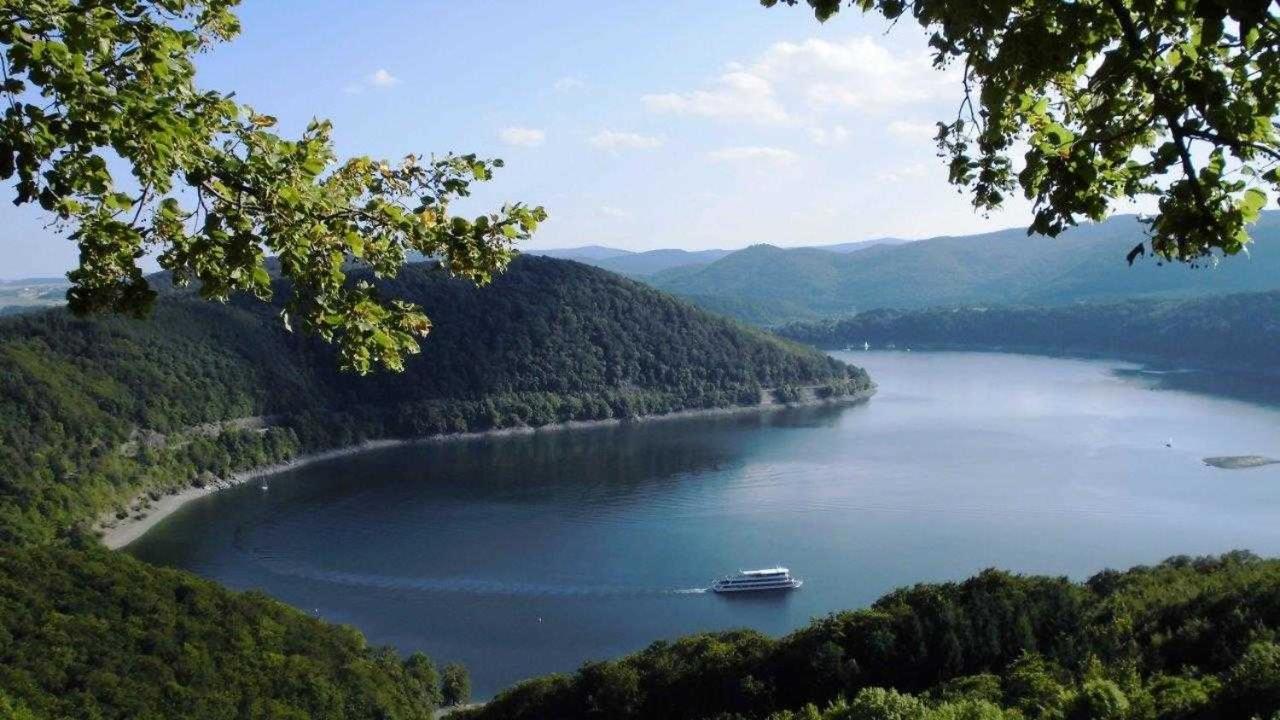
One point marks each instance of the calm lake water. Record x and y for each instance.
(526, 555)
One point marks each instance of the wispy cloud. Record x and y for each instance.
(914, 171)
(615, 213)
(754, 153)
(614, 141)
(804, 83)
(378, 79)
(837, 135)
(522, 136)
(383, 79)
(914, 131)
(735, 95)
(859, 74)
(565, 84)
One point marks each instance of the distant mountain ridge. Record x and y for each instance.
(767, 285)
(585, 253)
(651, 262)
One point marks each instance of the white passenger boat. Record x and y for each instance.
(778, 578)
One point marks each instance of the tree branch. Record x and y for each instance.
(1136, 48)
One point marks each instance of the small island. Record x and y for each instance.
(1239, 462)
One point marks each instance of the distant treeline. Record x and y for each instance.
(1235, 332)
(94, 411)
(1189, 638)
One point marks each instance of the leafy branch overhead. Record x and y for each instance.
(1107, 100)
(93, 87)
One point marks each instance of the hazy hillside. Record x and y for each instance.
(548, 341)
(1239, 331)
(648, 263)
(773, 285)
(24, 294)
(586, 253)
(860, 245)
(638, 264)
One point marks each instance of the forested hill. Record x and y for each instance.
(768, 285)
(91, 633)
(1229, 332)
(93, 411)
(1189, 639)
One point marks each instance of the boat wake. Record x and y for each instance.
(463, 585)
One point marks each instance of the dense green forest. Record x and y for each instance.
(89, 633)
(1229, 332)
(95, 411)
(1189, 638)
(768, 285)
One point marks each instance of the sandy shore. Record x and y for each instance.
(117, 533)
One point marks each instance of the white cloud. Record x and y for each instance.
(565, 84)
(800, 83)
(737, 94)
(616, 213)
(614, 140)
(522, 136)
(383, 79)
(380, 78)
(837, 135)
(858, 74)
(914, 171)
(754, 153)
(911, 130)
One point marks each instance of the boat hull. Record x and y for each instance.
(780, 587)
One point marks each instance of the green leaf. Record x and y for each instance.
(1252, 203)
(290, 195)
(356, 243)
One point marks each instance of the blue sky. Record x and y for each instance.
(695, 124)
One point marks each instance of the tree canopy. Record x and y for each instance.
(97, 89)
(1188, 639)
(1107, 100)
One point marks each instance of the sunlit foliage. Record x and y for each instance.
(104, 127)
(1081, 104)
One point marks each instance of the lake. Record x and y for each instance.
(525, 555)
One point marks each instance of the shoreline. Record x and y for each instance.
(115, 534)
